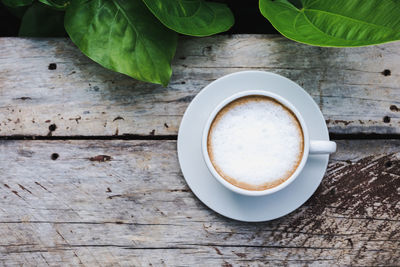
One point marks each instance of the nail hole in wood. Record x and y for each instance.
(386, 119)
(386, 72)
(388, 164)
(54, 156)
(52, 127)
(52, 66)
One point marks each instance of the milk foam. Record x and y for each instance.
(254, 142)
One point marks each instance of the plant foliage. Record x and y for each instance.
(124, 36)
(195, 17)
(335, 23)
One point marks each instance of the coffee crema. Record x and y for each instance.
(255, 143)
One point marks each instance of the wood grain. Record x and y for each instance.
(114, 202)
(358, 89)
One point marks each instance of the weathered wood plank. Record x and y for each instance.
(358, 89)
(109, 203)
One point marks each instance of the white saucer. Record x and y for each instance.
(208, 189)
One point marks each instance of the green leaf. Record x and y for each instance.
(17, 3)
(124, 36)
(335, 23)
(41, 21)
(58, 4)
(192, 17)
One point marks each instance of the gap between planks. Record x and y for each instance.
(332, 136)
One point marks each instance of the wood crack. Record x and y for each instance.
(264, 246)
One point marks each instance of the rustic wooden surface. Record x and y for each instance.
(98, 183)
(358, 89)
(135, 209)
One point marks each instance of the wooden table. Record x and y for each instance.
(89, 171)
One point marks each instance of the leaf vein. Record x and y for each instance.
(321, 31)
(349, 18)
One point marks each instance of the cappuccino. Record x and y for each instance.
(255, 143)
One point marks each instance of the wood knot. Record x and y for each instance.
(394, 108)
(100, 158)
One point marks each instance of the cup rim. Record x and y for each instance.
(285, 103)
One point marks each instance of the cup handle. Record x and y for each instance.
(322, 147)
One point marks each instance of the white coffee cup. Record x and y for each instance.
(310, 146)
